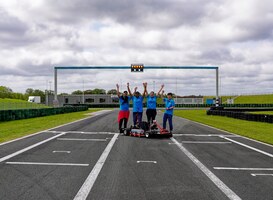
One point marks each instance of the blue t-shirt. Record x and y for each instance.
(137, 104)
(151, 102)
(124, 106)
(168, 104)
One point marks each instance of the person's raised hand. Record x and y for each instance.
(117, 85)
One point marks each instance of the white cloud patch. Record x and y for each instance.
(235, 35)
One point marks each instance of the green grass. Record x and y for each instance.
(247, 99)
(19, 128)
(255, 130)
(263, 112)
(12, 104)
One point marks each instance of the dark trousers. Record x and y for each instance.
(121, 122)
(170, 120)
(151, 114)
(137, 117)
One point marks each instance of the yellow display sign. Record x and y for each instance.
(137, 67)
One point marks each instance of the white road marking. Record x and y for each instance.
(49, 164)
(89, 182)
(261, 174)
(91, 133)
(222, 186)
(229, 133)
(249, 147)
(48, 130)
(204, 135)
(202, 142)
(30, 147)
(146, 161)
(78, 139)
(243, 169)
(61, 151)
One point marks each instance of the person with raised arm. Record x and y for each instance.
(137, 99)
(168, 114)
(151, 104)
(124, 112)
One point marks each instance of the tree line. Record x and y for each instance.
(6, 92)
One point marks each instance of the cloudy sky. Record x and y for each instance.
(235, 35)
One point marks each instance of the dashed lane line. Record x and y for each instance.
(30, 147)
(90, 180)
(261, 174)
(249, 147)
(220, 184)
(243, 169)
(48, 164)
(202, 142)
(78, 139)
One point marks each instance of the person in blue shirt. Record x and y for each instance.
(168, 115)
(137, 99)
(151, 104)
(124, 112)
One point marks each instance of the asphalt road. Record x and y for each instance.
(90, 160)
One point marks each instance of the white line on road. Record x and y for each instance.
(146, 161)
(61, 151)
(30, 147)
(49, 164)
(204, 135)
(89, 182)
(91, 133)
(202, 142)
(243, 169)
(261, 174)
(78, 139)
(249, 147)
(49, 130)
(222, 186)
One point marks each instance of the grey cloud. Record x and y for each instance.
(142, 13)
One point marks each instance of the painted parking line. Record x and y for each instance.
(202, 142)
(249, 147)
(78, 139)
(261, 174)
(243, 169)
(90, 180)
(220, 184)
(146, 161)
(48, 164)
(30, 147)
(61, 151)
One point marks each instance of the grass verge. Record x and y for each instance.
(19, 128)
(263, 112)
(255, 130)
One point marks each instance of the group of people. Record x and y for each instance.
(137, 100)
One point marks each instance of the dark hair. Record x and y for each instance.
(125, 91)
(170, 94)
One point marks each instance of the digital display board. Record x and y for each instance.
(137, 67)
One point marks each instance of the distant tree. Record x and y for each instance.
(5, 92)
(29, 91)
(77, 92)
(35, 92)
(88, 92)
(112, 91)
(98, 91)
